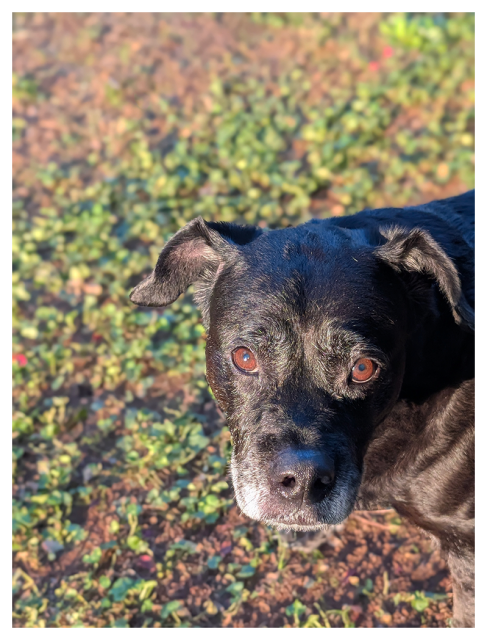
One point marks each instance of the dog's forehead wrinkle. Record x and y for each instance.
(335, 334)
(295, 288)
(309, 240)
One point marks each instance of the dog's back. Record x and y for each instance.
(457, 213)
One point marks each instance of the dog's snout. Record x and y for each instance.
(303, 474)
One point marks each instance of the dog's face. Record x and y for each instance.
(305, 352)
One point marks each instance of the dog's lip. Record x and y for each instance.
(305, 515)
(298, 521)
(303, 518)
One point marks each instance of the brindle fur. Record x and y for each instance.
(394, 285)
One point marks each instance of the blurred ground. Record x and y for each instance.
(125, 127)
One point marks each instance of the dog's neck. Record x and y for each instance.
(439, 367)
(439, 355)
(407, 443)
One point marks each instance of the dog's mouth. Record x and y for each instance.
(305, 519)
(312, 513)
(306, 516)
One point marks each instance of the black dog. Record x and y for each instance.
(342, 352)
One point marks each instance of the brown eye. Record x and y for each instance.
(245, 360)
(363, 370)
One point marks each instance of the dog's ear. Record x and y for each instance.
(415, 251)
(193, 254)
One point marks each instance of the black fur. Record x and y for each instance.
(395, 286)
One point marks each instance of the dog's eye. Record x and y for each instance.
(244, 360)
(363, 370)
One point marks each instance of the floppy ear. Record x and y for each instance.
(193, 254)
(415, 251)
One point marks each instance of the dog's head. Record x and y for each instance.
(307, 330)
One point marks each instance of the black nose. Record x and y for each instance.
(303, 474)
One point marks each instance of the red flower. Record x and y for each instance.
(20, 359)
(387, 52)
(146, 562)
(374, 65)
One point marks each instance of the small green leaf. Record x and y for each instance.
(214, 561)
(235, 588)
(170, 607)
(94, 557)
(420, 602)
(105, 582)
(121, 623)
(121, 587)
(246, 571)
(296, 609)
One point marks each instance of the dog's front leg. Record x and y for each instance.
(462, 570)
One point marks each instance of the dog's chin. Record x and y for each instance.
(298, 527)
(305, 520)
(309, 517)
